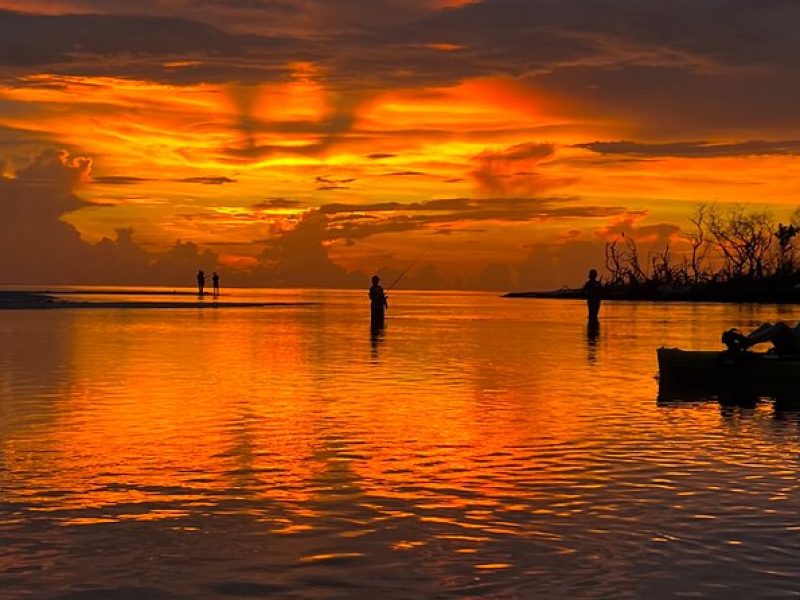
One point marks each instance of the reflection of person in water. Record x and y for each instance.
(592, 289)
(375, 340)
(378, 303)
(592, 338)
(201, 282)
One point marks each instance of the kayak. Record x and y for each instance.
(715, 372)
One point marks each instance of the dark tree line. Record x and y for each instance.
(723, 248)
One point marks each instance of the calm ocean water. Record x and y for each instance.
(482, 447)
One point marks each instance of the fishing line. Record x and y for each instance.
(408, 268)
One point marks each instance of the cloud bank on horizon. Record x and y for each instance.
(293, 142)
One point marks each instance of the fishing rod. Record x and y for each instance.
(406, 270)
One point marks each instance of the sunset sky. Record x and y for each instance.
(497, 143)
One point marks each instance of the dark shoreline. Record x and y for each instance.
(753, 295)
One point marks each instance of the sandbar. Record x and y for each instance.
(10, 300)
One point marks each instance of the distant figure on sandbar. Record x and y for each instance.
(215, 283)
(592, 288)
(785, 339)
(378, 304)
(201, 282)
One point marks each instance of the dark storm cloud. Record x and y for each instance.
(37, 246)
(39, 41)
(129, 180)
(30, 39)
(305, 244)
(351, 221)
(514, 37)
(405, 174)
(702, 34)
(206, 180)
(715, 66)
(694, 149)
(299, 257)
(446, 230)
(711, 66)
(230, 244)
(33, 40)
(299, 17)
(331, 184)
(119, 180)
(272, 203)
(453, 204)
(15, 138)
(331, 180)
(513, 171)
(671, 101)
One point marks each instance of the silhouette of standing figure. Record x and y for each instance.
(215, 283)
(592, 289)
(377, 304)
(201, 282)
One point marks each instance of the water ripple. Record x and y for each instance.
(480, 448)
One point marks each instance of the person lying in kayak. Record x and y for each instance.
(785, 339)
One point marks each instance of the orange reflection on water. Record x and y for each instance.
(490, 434)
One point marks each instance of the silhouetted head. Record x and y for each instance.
(375, 280)
(593, 274)
(201, 272)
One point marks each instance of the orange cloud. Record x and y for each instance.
(401, 104)
(515, 170)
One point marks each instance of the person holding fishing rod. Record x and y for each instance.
(378, 304)
(378, 299)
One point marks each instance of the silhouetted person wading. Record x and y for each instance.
(201, 281)
(377, 303)
(215, 283)
(592, 289)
